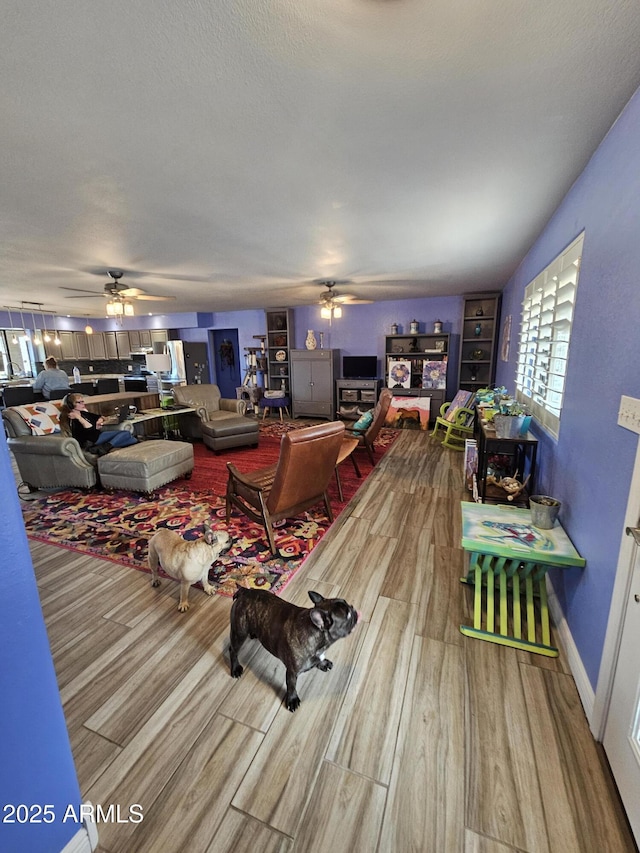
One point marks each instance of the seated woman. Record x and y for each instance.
(86, 427)
(51, 379)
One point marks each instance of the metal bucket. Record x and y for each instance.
(544, 511)
(508, 426)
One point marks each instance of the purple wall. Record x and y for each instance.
(362, 328)
(589, 467)
(37, 765)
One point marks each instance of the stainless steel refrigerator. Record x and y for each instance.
(189, 363)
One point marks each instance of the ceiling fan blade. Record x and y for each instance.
(147, 298)
(79, 290)
(130, 292)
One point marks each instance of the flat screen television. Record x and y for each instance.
(359, 366)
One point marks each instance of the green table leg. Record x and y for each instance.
(486, 571)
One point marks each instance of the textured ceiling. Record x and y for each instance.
(231, 152)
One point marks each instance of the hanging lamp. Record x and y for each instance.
(14, 337)
(37, 340)
(88, 329)
(46, 337)
(56, 338)
(24, 329)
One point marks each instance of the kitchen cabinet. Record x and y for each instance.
(123, 343)
(96, 345)
(110, 345)
(145, 337)
(158, 336)
(313, 375)
(82, 345)
(67, 345)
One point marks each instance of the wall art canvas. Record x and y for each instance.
(408, 413)
(399, 374)
(460, 401)
(434, 374)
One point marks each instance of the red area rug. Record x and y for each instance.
(117, 525)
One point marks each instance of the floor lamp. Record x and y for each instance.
(157, 364)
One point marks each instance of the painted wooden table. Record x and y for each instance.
(508, 561)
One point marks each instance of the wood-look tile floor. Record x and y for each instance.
(419, 739)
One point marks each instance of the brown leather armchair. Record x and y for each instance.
(366, 439)
(298, 481)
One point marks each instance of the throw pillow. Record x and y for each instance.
(364, 422)
(41, 418)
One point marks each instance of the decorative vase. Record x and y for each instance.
(394, 328)
(437, 327)
(414, 327)
(310, 341)
(480, 312)
(478, 330)
(321, 340)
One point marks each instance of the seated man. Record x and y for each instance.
(51, 379)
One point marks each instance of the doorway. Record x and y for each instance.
(616, 713)
(226, 361)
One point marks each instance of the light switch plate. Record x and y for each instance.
(629, 414)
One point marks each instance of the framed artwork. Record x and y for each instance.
(460, 401)
(434, 374)
(399, 375)
(439, 346)
(408, 413)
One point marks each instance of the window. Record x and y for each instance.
(543, 349)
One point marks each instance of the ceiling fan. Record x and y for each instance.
(114, 289)
(331, 300)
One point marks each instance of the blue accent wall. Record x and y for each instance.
(590, 466)
(37, 765)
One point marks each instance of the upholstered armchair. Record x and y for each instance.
(298, 481)
(219, 421)
(366, 438)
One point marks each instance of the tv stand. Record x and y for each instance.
(356, 396)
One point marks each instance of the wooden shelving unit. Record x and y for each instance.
(279, 343)
(416, 349)
(479, 341)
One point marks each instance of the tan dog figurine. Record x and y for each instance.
(186, 561)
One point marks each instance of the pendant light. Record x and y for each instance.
(46, 337)
(56, 338)
(26, 331)
(14, 337)
(88, 329)
(37, 340)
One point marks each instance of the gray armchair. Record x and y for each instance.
(47, 461)
(219, 421)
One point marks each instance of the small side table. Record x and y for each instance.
(279, 403)
(508, 561)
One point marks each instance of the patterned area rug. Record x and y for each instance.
(117, 525)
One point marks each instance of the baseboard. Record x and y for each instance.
(84, 841)
(579, 673)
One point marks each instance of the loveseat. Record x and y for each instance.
(45, 458)
(219, 421)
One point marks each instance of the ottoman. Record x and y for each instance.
(234, 431)
(145, 466)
